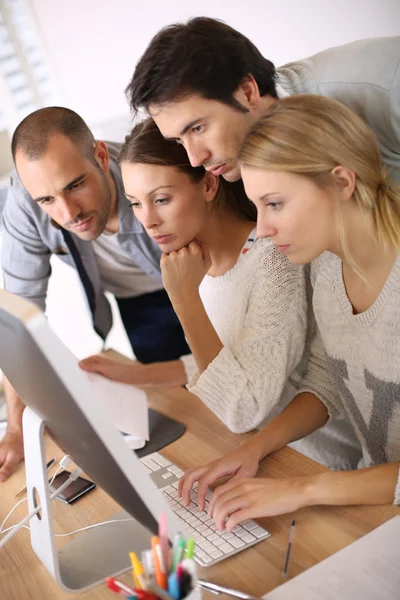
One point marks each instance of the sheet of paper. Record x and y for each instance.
(368, 569)
(125, 405)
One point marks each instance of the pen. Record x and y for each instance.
(159, 592)
(137, 571)
(48, 467)
(173, 586)
(119, 588)
(163, 536)
(190, 548)
(178, 553)
(219, 589)
(148, 564)
(288, 550)
(159, 568)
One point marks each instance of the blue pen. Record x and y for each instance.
(173, 586)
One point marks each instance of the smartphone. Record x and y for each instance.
(75, 490)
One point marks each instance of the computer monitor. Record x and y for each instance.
(47, 377)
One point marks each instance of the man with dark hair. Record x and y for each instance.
(205, 84)
(66, 198)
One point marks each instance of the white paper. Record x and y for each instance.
(125, 405)
(368, 569)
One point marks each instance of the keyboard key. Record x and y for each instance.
(249, 525)
(216, 554)
(227, 535)
(196, 523)
(236, 542)
(249, 538)
(219, 542)
(167, 475)
(226, 548)
(239, 531)
(207, 559)
(258, 531)
(213, 537)
(174, 469)
(175, 484)
(160, 460)
(150, 464)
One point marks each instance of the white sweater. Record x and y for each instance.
(363, 353)
(259, 310)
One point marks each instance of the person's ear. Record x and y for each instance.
(102, 156)
(345, 181)
(211, 184)
(247, 93)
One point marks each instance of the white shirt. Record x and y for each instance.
(118, 273)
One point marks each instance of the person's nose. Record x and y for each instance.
(197, 153)
(70, 210)
(149, 218)
(265, 229)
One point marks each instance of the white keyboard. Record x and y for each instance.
(212, 545)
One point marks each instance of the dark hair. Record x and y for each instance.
(146, 145)
(203, 56)
(34, 132)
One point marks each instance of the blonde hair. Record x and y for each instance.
(310, 135)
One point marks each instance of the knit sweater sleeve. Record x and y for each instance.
(245, 381)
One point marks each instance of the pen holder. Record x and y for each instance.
(194, 594)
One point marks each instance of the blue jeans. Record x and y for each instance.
(153, 328)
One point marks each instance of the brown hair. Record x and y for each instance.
(203, 56)
(146, 145)
(310, 135)
(33, 134)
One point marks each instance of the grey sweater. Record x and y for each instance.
(363, 353)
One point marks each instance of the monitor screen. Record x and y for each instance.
(48, 379)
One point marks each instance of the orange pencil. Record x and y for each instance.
(159, 567)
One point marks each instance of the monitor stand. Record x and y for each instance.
(93, 555)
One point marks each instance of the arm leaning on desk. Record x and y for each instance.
(320, 531)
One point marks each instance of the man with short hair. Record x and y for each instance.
(205, 84)
(66, 197)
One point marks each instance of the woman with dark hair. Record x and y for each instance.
(242, 305)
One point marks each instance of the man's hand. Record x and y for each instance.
(11, 453)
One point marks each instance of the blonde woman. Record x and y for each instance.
(313, 170)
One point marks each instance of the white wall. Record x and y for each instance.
(93, 47)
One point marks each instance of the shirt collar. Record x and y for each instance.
(128, 223)
(281, 93)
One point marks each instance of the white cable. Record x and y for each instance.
(10, 513)
(74, 475)
(92, 526)
(64, 463)
(76, 530)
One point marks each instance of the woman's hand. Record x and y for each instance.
(238, 501)
(237, 465)
(184, 270)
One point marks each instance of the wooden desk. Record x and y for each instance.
(320, 531)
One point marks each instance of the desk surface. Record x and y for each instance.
(320, 531)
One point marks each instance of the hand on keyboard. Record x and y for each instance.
(237, 465)
(211, 545)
